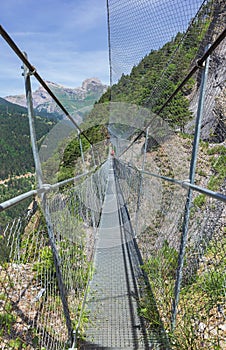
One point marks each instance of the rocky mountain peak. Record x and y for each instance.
(73, 99)
(91, 83)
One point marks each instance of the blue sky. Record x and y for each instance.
(145, 25)
(66, 40)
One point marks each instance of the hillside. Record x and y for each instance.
(159, 73)
(15, 149)
(16, 159)
(157, 76)
(78, 101)
(151, 214)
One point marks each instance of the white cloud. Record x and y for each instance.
(71, 70)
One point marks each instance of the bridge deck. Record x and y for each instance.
(112, 305)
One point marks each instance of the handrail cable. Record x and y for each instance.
(33, 71)
(183, 183)
(199, 64)
(44, 189)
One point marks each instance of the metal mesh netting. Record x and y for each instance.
(31, 311)
(64, 152)
(29, 291)
(156, 209)
(160, 42)
(152, 142)
(137, 27)
(156, 213)
(46, 259)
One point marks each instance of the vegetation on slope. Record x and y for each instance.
(94, 127)
(149, 85)
(160, 72)
(15, 148)
(16, 156)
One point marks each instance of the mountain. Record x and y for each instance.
(77, 101)
(6, 106)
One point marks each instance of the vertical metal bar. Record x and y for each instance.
(117, 146)
(81, 150)
(98, 184)
(93, 157)
(38, 170)
(141, 182)
(189, 196)
(30, 109)
(109, 45)
(132, 154)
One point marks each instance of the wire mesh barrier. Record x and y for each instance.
(31, 304)
(158, 229)
(169, 60)
(147, 26)
(162, 84)
(165, 46)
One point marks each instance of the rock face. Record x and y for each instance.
(214, 115)
(76, 101)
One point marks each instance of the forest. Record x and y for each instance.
(160, 224)
(15, 148)
(149, 85)
(16, 157)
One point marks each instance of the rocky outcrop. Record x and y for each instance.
(73, 99)
(214, 115)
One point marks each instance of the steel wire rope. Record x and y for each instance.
(199, 65)
(185, 184)
(156, 85)
(10, 228)
(33, 71)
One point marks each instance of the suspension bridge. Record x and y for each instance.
(130, 252)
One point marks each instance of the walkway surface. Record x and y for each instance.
(112, 304)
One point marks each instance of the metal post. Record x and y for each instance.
(94, 161)
(141, 181)
(81, 150)
(30, 109)
(189, 196)
(38, 170)
(117, 146)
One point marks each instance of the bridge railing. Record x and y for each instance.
(38, 308)
(46, 253)
(171, 173)
(174, 189)
(158, 230)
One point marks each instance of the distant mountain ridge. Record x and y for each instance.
(77, 101)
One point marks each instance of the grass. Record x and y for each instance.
(218, 165)
(7, 321)
(199, 200)
(198, 320)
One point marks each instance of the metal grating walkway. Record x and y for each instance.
(112, 306)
